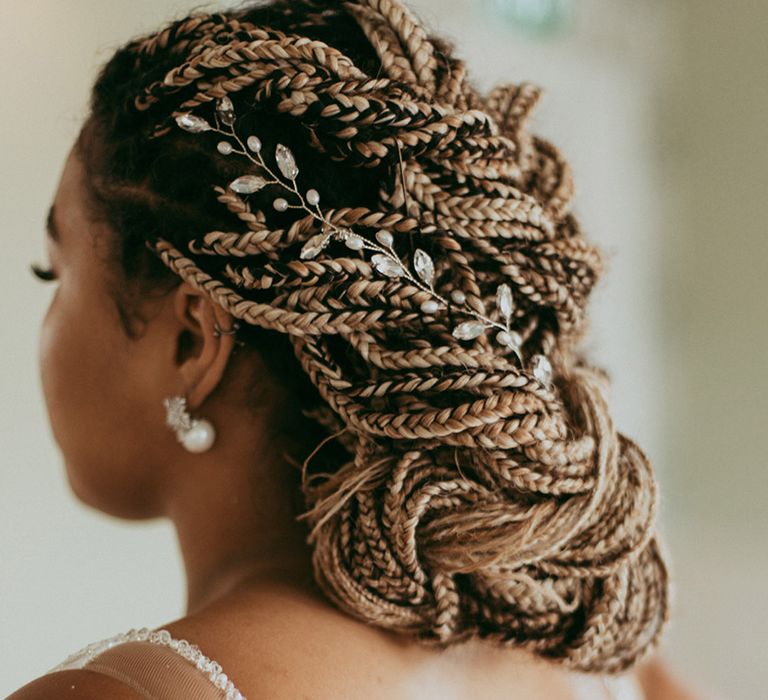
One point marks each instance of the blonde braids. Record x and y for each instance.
(477, 501)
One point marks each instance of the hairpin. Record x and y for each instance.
(384, 258)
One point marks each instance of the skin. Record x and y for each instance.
(251, 601)
(88, 364)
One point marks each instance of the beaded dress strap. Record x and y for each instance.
(161, 637)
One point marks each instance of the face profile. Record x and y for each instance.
(91, 374)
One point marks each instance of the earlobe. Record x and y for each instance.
(203, 367)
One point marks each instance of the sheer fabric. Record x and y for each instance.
(155, 665)
(156, 672)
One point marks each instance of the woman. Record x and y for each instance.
(319, 303)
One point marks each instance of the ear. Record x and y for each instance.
(201, 356)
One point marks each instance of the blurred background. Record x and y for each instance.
(660, 107)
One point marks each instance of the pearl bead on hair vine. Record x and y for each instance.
(384, 260)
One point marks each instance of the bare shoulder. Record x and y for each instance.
(281, 645)
(75, 684)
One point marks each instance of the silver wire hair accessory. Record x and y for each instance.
(384, 259)
(195, 434)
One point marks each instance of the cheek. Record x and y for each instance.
(76, 387)
(93, 407)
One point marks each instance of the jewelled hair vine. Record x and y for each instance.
(384, 259)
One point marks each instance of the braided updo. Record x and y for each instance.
(471, 498)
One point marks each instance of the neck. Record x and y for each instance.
(234, 511)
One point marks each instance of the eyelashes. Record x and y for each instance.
(47, 275)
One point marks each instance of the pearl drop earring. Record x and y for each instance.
(195, 434)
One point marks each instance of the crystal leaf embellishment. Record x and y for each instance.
(387, 266)
(469, 330)
(226, 110)
(424, 266)
(247, 184)
(504, 302)
(313, 247)
(419, 270)
(286, 162)
(192, 123)
(542, 369)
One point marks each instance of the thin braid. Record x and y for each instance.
(474, 500)
(177, 37)
(394, 61)
(415, 44)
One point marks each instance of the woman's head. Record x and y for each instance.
(109, 355)
(463, 494)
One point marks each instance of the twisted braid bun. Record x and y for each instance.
(474, 501)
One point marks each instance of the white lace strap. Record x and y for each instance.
(191, 652)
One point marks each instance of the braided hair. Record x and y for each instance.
(468, 498)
